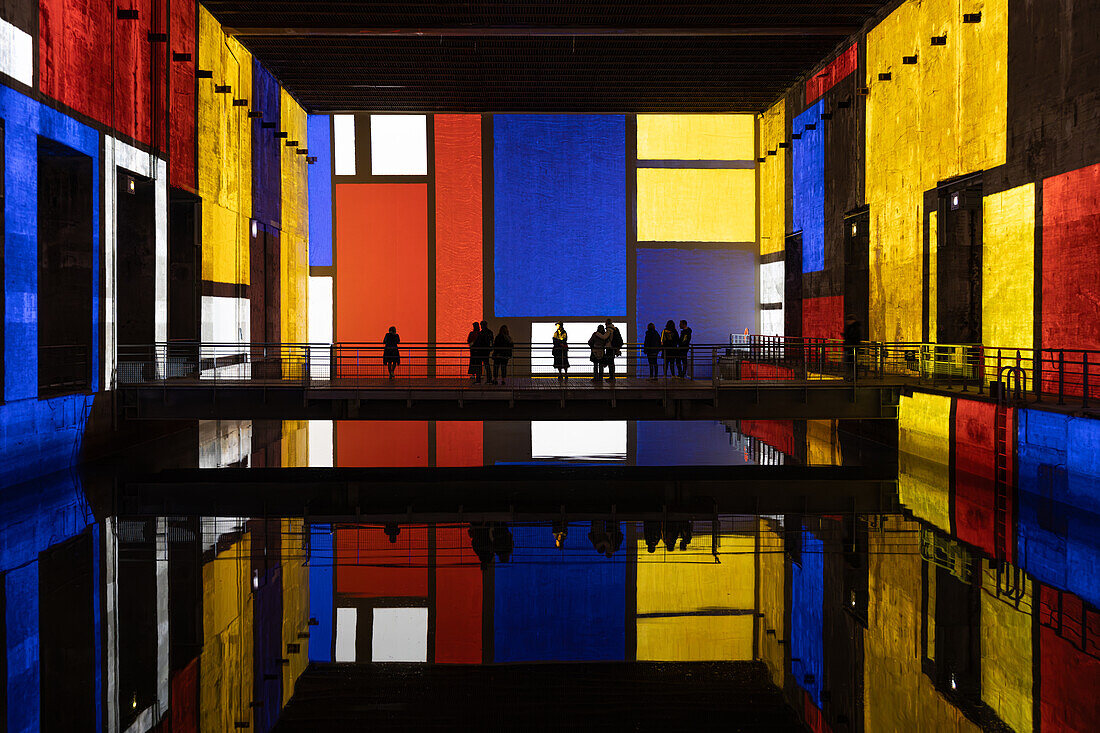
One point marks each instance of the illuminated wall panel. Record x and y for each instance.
(296, 609)
(823, 317)
(822, 446)
(696, 205)
(555, 606)
(689, 611)
(779, 434)
(226, 662)
(684, 443)
(808, 171)
(225, 158)
(827, 78)
(459, 443)
(398, 145)
(975, 467)
(773, 619)
(924, 452)
(714, 290)
(382, 257)
(1007, 651)
(1008, 268)
(294, 242)
(773, 179)
(695, 137)
(1069, 676)
(458, 222)
(1071, 289)
(321, 569)
(568, 439)
(368, 444)
(772, 278)
(399, 635)
(319, 134)
(266, 148)
(942, 117)
(343, 139)
(458, 596)
(181, 94)
(369, 566)
(580, 353)
(807, 609)
(16, 53)
(559, 185)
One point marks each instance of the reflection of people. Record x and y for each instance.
(502, 541)
(606, 537)
(651, 529)
(481, 541)
(561, 531)
(392, 530)
(560, 350)
(502, 352)
(391, 357)
(853, 334)
(670, 342)
(652, 348)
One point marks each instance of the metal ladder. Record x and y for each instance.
(1001, 480)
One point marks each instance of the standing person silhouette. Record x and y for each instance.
(391, 357)
(670, 342)
(614, 348)
(483, 347)
(560, 351)
(598, 342)
(685, 347)
(502, 352)
(471, 339)
(651, 347)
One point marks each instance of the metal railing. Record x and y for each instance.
(1010, 374)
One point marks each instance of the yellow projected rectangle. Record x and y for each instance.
(696, 137)
(695, 638)
(1008, 268)
(714, 205)
(924, 451)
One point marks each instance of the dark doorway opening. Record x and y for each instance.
(184, 281)
(136, 266)
(857, 267)
(263, 293)
(66, 613)
(65, 273)
(959, 262)
(792, 288)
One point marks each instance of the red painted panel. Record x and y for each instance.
(184, 702)
(458, 444)
(1069, 669)
(458, 278)
(381, 267)
(368, 566)
(182, 96)
(779, 434)
(765, 371)
(975, 466)
(76, 39)
(815, 719)
(457, 598)
(827, 78)
(366, 444)
(1071, 270)
(823, 317)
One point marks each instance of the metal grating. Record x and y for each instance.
(541, 56)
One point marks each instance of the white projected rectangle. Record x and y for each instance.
(592, 440)
(343, 138)
(580, 362)
(320, 327)
(771, 282)
(771, 322)
(321, 443)
(398, 145)
(346, 620)
(16, 53)
(400, 635)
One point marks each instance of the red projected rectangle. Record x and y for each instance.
(1071, 287)
(368, 565)
(975, 476)
(382, 268)
(779, 434)
(457, 598)
(458, 444)
(181, 89)
(458, 278)
(827, 78)
(823, 317)
(367, 444)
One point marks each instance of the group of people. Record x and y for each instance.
(484, 346)
(673, 344)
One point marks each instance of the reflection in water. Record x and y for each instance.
(971, 604)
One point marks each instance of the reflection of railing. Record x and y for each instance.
(1071, 619)
(63, 369)
(945, 553)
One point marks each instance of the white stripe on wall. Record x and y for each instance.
(16, 53)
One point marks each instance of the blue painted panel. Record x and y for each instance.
(320, 592)
(319, 131)
(267, 183)
(807, 603)
(559, 185)
(685, 443)
(808, 173)
(21, 618)
(559, 605)
(24, 121)
(714, 290)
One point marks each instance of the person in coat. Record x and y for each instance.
(685, 348)
(670, 345)
(391, 357)
(614, 348)
(651, 347)
(483, 347)
(471, 338)
(560, 350)
(598, 343)
(502, 353)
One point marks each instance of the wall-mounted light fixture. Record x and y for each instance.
(956, 201)
(127, 14)
(939, 40)
(303, 151)
(255, 115)
(784, 145)
(240, 102)
(222, 89)
(885, 76)
(292, 143)
(760, 160)
(863, 91)
(204, 74)
(855, 228)
(180, 57)
(771, 152)
(131, 185)
(972, 17)
(909, 60)
(255, 229)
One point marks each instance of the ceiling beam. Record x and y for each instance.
(549, 31)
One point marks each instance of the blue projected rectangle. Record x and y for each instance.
(807, 609)
(559, 605)
(713, 290)
(686, 443)
(559, 203)
(319, 135)
(320, 592)
(808, 172)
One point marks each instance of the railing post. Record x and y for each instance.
(1061, 376)
(714, 366)
(1085, 372)
(981, 369)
